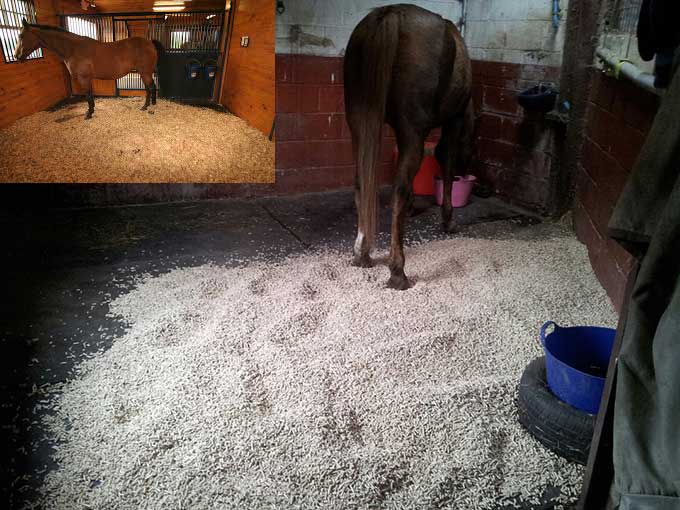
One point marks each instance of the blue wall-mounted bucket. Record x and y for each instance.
(193, 69)
(576, 361)
(210, 69)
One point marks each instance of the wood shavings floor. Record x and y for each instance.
(307, 384)
(121, 144)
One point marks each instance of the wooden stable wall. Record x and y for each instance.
(31, 86)
(248, 82)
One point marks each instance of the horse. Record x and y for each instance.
(408, 67)
(86, 58)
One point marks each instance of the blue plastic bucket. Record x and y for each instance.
(576, 361)
(193, 69)
(210, 69)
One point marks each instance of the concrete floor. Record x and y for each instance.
(59, 265)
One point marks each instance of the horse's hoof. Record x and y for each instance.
(88, 116)
(364, 261)
(144, 108)
(450, 227)
(398, 283)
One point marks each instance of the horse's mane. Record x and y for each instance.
(48, 27)
(59, 30)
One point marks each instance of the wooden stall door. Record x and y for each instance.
(248, 80)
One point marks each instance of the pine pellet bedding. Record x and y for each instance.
(308, 384)
(169, 143)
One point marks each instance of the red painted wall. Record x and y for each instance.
(314, 149)
(618, 119)
(313, 142)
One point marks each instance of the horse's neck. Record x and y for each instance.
(59, 42)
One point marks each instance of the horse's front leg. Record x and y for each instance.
(410, 156)
(445, 153)
(85, 83)
(454, 151)
(90, 103)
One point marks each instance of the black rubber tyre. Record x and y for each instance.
(563, 429)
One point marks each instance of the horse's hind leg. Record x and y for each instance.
(148, 80)
(362, 245)
(411, 146)
(147, 98)
(453, 153)
(154, 90)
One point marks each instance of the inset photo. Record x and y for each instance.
(151, 91)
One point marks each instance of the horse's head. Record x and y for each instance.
(28, 42)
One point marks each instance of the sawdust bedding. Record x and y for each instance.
(170, 143)
(307, 384)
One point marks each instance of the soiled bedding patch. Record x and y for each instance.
(177, 143)
(308, 384)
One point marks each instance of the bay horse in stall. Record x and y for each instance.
(409, 67)
(87, 59)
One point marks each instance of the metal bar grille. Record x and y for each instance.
(12, 12)
(191, 31)
(133, 81)
(94, 26)
(188, 31)
(623, 16)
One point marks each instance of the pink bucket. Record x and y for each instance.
(460, 192)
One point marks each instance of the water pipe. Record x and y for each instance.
(556, 14)
(624, 68)
(463, 18)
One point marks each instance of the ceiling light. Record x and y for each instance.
(170, 8)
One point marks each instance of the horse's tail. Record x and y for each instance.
(366, 96)
(160, 49)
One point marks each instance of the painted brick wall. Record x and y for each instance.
(330, 23)
(514, 152)
(517, 31)
(618, 120)
(313, 142)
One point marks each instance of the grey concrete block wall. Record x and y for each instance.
(516, 31)
(331, 22)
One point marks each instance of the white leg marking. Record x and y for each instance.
(358, 243)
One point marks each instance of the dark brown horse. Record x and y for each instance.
(408, 67)
(87, 59)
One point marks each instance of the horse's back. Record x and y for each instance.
(137, 44)
(139, 49)
(431, 75)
